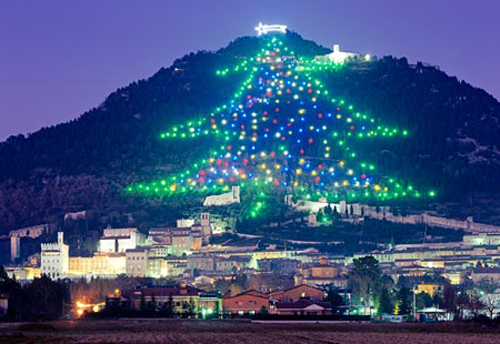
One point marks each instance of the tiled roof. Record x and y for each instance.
(301, 304)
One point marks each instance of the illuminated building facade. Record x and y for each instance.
(116, 240)
(55, 258)
(106, 265)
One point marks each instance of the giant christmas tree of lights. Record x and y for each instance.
(283, 131)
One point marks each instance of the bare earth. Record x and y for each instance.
(186, 331)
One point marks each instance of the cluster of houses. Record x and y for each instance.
(298, 300)
(184, 251)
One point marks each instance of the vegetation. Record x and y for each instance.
(86, 163)
(41, 299)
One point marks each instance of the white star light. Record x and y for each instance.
(264, 29)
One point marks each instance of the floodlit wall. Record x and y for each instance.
(383, 213)
(227, 198)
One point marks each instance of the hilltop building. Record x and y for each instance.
(338, 57)
(227, 198)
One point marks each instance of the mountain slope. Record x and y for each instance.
(84, 164)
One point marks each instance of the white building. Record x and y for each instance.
(227, 198)
(120, 239)
(339, 57)
(136, 263)
(55, 258)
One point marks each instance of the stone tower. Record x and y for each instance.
(15, 247)
(206, 229)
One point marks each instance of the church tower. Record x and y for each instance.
(206, 229)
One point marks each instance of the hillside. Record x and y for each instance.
(85, 164)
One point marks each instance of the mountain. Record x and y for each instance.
(453, 142)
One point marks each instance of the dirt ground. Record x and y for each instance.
(185, 331)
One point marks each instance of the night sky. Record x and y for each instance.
(61, 58)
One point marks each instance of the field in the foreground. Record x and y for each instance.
(178, 331)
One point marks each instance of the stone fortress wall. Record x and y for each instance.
(385, 213)
(224, 199)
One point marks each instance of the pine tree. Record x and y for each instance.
(319, 216)
(385, 305)
(143, 305)
(404, 300)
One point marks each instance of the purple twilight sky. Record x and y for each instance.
(60, 58)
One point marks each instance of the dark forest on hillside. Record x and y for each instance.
(453, 142)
